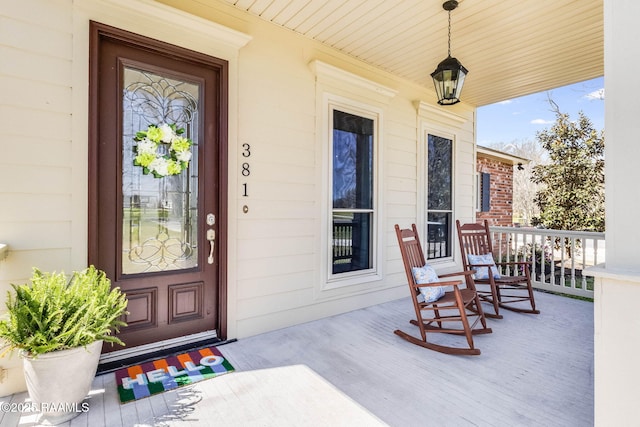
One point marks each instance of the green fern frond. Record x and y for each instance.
(53, 313)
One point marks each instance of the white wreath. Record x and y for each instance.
(152, 161)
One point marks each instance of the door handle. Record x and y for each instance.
(211, 237)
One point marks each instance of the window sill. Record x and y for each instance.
(351, 280)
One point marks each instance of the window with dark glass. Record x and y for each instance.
(352, 191)
(485, 192)
(439, 197)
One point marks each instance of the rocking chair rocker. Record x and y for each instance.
(503, 291)
(461, 304)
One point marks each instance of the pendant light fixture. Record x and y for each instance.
(448, 78)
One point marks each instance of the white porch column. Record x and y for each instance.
(617, 288)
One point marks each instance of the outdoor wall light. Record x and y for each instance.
(448, 78)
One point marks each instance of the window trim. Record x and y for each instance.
(347, 279)
(423, 214)
(360, 95)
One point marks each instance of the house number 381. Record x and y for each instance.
(246, 170)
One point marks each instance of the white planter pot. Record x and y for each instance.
(59, 381)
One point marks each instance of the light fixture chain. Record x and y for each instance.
(449, 35)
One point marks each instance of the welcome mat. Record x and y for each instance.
(146, 379)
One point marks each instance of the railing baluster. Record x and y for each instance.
(498, 239)
(553, 260)
(563, 281)
(509, 249)
(520, 244)
(583, 278)
(540, 260)
(573, 262)
(533, 252)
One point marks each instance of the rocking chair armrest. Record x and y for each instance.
(483, 265)
(439, 283)
(458, 273)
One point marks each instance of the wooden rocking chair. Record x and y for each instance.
(501, 290)
(461, 304)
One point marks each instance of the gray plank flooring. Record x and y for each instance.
(534, 370)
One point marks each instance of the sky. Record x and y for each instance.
(520, 118)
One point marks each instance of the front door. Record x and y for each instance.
(157, 222)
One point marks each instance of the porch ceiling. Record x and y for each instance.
(511, 48)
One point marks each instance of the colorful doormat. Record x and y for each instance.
(146, 379)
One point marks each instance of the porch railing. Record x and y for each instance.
(557, 257)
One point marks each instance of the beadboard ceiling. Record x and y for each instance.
(510, 47)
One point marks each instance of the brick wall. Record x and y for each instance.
(501, 190)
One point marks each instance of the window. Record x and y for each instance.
(352, 178)
(439, 197)
(483, 196)
(349, 133)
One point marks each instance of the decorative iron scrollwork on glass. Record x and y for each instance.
(161, 252)
(159, 215)
(156, 99)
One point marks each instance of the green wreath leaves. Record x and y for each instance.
(150, 158)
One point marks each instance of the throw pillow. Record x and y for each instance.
(426, 274)
(482, 273)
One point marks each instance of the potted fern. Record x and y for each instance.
(59, 326)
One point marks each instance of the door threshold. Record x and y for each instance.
(115, 360)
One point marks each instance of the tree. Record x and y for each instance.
(572, 192)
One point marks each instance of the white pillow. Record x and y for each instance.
(482, 273)
(426, 274)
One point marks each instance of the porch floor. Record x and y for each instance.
(534, 370)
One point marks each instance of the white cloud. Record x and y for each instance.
(508, 101)
(541, 122)
(595, 95)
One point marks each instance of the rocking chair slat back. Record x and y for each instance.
(411, 251)
(475, 239)
(457, 305)
(504, 291)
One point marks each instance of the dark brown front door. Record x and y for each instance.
(157, 210)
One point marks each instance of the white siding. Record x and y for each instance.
(35, 113)
(276, 238)
(35, 165)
